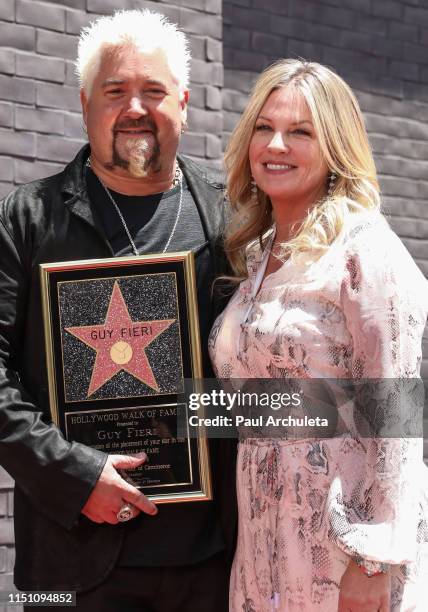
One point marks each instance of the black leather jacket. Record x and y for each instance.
(46, 221)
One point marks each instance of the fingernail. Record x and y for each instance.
(154, 510)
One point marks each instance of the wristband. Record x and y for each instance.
(368, 573)
(371, 568)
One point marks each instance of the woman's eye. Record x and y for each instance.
(302, 132)
(261, 127)
(114, 92)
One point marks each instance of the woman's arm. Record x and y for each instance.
(374, 509)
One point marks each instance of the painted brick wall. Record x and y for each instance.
(7, 551)
(380, 47)
(40, 121)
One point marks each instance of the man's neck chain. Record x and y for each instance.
(177, 180)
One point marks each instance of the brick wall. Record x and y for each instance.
(7, 551)
(380, 47)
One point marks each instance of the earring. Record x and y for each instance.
(253, 190)
(331, 183)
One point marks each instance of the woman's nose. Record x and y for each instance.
(278, 143)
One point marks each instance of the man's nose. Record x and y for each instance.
(278, 143)
(136, 107)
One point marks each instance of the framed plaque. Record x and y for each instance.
(121, 336)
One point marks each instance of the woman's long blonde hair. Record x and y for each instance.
(339, 125)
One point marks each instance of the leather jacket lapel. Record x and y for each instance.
(76, 197)
(208, 196)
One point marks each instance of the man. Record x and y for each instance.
(124, 193)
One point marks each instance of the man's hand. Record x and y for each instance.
(112, 491)
(359, 593)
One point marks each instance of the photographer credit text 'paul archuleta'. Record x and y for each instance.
(239, 404)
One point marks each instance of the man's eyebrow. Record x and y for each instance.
(112, 81)
(117, 81)
(155, 82)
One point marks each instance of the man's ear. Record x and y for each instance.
(84, 103)
(183, 103)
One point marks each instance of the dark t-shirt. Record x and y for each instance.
(150, 219)
(181, 533)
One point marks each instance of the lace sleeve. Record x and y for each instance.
(374, 505)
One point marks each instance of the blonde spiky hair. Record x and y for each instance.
(142, 29)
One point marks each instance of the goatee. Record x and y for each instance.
(142, 154)
(141, 159)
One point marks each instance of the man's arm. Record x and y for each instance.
(56, 475)
(60, 478)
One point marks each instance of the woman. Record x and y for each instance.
(327, 291)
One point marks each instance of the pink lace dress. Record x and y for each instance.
(306, 506)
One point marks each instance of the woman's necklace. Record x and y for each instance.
(177, 180)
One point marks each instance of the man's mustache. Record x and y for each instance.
(136, 124)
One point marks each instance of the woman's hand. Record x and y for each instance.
(359, 593)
